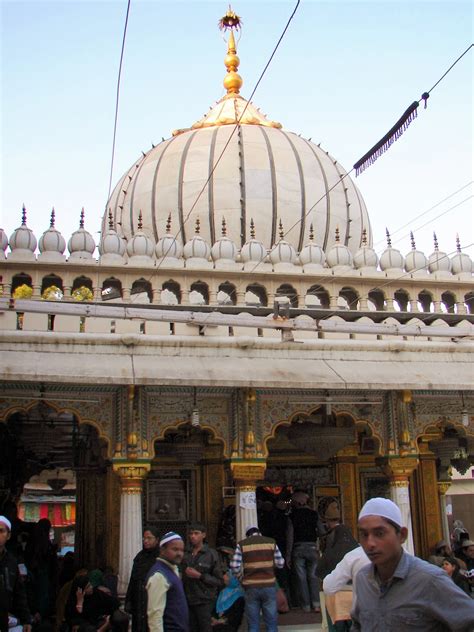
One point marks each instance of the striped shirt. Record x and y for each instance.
(256, 557)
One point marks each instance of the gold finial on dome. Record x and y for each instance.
(337, 236)
(224, 227)
(168, 224)
(252, 228)
(197, 228)
(311, 232)
(232, 81)
(281, 232)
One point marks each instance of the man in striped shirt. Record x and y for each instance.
(255, 559)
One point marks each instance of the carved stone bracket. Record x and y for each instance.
(247, 472)
(443, 487)
(399, 468)
(131, 475)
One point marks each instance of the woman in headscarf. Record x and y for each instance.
(136, 598)
(451, 566)
(229, 608)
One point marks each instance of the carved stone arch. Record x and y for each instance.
(401, 298)
(448, 302)
(366, 432)
(425, 300)
(185, 426)
(21, 278)
(348, 298)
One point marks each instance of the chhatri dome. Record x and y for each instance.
(265, 173)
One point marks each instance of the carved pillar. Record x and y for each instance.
(91, 518)
(399, 469)
(131, 475)
(246, 473)
(428, 501)
(443, 487)
(346, 472)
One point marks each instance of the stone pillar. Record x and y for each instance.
(346, 473)
(443, 487)
(131, 478)
(246, 473)
(399, 469)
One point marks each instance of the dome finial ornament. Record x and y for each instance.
(252, 228)
(81, 218)
(23, 215)
(140, 221)
(197, 229)
(232, 81)
(337, 238)
(224, 227)
(435, 239)
(111, 220)
(53, 218)
(412, 239)
(168, 224)
(458, 243)
(311, 232)
(389, 239)
(364, 237)
(281, 232)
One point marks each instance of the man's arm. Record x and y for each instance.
(236, 561)
(215, 577)
(157, 587)
(278, 558)
(345, 571)
(20, 602)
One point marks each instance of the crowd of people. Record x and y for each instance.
(183, 585)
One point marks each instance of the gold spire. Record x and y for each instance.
(232, 81)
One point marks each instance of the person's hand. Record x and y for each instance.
(192, 573)
(79, 597)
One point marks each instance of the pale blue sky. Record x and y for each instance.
(343, 75)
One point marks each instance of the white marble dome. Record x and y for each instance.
(197, 247)
(461, 263)
(52, 244)
(22, 242)
(439, 261)
(415, 260)
(391, 258)
(265, 172)
(365, 257)
(224, 248)
(3, 243)
(282, 251)
(81, 244)
(339, 254)
(112, 247)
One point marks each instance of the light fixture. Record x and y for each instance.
(464, 413)
(195, 420)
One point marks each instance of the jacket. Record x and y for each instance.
(205, 588)
(12, 592)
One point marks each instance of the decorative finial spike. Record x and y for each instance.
(389, 239)
(364, 237)
(53, 218)
(337, 235)
(224, 227)
(140, 221)
(435, 239)
(281, 232)
(81, 218)
(168, 224)
(232, 81)
(198, 226)
(412, 239)
(458, 243)
(311, 232)
(111, 220)
(23, 215)
(252, 228)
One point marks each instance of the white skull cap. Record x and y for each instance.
(382, 507)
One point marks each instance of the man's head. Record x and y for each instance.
(196, 534)
(172, 548)
(5, 531)
(300, 499)
(381, 533)
(252, 531)
(468, 548)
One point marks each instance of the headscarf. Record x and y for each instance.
(96, 578)
(229, 595)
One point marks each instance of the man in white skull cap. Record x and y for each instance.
(398, 591)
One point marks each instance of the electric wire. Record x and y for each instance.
(117, 98)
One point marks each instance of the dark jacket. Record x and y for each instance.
(96, 606)
(136, 597)
(12, 592)
(205, 588)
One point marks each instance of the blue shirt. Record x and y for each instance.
(419, 597)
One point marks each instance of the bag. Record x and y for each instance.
(282, 601)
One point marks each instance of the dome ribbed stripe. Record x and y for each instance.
(135, 180)
(180, 186)
(274, 186)
(347, 236)
(153, 189)
(210, 185)
(364, 217)
(243, 194)
(328, 201)
(303, 192)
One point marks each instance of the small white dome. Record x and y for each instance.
(81, 244)
(3, 243)
(461, 263)
(339, 255)
(391, 258)
(22, 241)
(141, 247)
(439, 261)
(415, 260)
(52, 244)
(168, 246)
(112, 247)
(224, 248)
(282, 251)
(365, 257)
(312, 254)
(197, 247)
(253, 250)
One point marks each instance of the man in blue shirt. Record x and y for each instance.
(398, 591)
